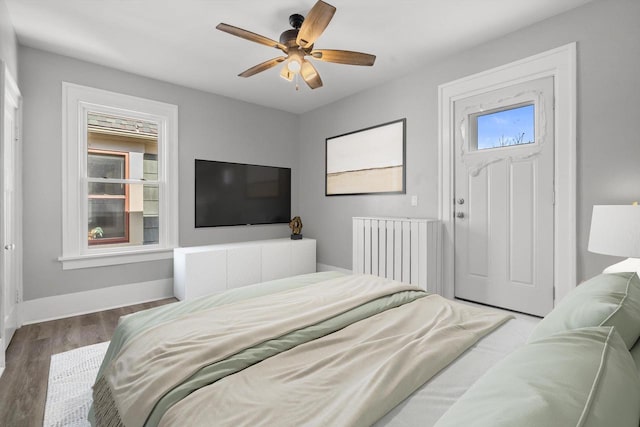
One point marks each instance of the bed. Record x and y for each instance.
(322, 349)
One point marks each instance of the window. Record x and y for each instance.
(120, 187)
(513, 125)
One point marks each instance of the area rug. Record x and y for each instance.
(71, 375)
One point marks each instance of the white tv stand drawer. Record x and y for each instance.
(201, 270)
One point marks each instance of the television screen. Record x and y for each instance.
(241, 194)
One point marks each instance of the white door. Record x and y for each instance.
(504, 183)
(11, 222)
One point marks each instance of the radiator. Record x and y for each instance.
(403, 249)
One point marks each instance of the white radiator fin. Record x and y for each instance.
(403, 249)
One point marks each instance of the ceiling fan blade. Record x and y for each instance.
(248, 35)
(262, 67)
(343, 57)
(310, 75)
(314, 24)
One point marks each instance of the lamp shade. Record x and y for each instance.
(615, 230)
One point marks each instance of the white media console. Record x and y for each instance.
(201, 270)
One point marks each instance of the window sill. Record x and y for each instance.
(106, 259)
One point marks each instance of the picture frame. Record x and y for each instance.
(367, 161)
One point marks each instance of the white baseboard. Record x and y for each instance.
(327, 267)
(60, 306)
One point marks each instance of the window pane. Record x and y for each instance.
(514, 126)
(126, 221)
(120, 125)
(107, 220)
(144, 202)
(105, 165)
(151, 214)
(99, 188)
(150, 167)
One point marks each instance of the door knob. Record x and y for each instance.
(9, 246)
(461, 201)
(460, 215)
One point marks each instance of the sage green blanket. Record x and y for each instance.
(147, 370)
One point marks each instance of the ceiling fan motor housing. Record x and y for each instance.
(288, 38)
(296, 20)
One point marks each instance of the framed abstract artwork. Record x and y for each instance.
(367, 161)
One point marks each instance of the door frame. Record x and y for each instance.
(9, 92)
(561, 64)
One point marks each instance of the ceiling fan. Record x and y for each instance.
(298, 43)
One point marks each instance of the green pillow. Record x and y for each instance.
(605, 300)
(582, 377)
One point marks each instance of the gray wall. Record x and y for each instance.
(216, 127)
(210, 127)
(8, 43)
(608, 146)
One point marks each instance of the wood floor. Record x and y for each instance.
(23, 385)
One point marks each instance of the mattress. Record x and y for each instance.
(429, 402)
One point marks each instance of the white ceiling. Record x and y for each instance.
(176, 40)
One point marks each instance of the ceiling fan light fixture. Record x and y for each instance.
(286, 74)
(294, 65)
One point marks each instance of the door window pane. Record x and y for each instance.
(505, 127)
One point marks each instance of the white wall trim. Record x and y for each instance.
(327, 267)
(67, 305)
(561, 64)
(11, 99)
(104, 259)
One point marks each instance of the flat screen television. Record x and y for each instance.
(241, 194)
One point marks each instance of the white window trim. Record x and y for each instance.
(561, 64)
(76, 101)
